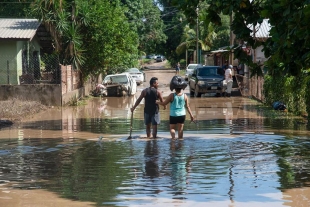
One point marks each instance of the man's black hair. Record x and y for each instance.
(153, 80)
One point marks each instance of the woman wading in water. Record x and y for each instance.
(178, 106)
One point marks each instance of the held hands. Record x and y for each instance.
(160, 103)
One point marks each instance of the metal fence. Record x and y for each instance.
(30, 69)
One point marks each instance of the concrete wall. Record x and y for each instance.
(47, 94)
(50, 94)
(76, 94)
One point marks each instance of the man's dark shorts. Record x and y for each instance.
(177, 119)
(149, 119)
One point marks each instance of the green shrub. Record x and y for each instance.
(292, 90)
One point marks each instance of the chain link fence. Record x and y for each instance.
(29, 69)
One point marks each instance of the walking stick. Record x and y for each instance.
(130, 126)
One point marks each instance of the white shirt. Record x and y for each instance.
(228, 75)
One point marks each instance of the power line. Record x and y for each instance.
(173, 26)
(15, 2)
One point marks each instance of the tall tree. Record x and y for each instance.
(289, 29)
(145, 17)
(110, 43)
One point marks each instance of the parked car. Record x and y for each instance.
(136, 74)
(206, 79)
(120, 84)
(159, 59)
(150, 57)
(189, 70)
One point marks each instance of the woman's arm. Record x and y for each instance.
(160, 99)
(165, 102)
(188, 108)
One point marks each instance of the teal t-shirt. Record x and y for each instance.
(177, 107)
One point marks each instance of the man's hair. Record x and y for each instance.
(153, 80)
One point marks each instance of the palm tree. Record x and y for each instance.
(63, 19)
(189, 38)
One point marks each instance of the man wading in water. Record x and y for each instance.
(151, 109)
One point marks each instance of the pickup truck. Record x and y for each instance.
(206, 79)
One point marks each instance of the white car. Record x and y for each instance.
(189, 70)
(160, 58)
(127, 83)
(137, 75)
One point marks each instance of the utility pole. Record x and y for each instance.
(232, 40)
(197, 36)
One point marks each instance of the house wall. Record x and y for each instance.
(11, 65)
(7, 62)
(19, 64)
(260, 56)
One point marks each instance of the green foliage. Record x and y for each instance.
(14, 8)
(110, 42)
(291, 90)
(145, 18)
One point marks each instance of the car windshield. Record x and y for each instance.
(208, 71)
(116, 79)
(133, 70)
(191, 66)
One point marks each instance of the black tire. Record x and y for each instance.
(196, 93)
(191, 93)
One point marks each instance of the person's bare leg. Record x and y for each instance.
(180, 131)
(148, 130)
(172, 131)
(154, 131)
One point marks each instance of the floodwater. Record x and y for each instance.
(80, 156)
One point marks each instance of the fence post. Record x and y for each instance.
(8, 71)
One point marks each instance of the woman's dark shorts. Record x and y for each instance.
(177, 119)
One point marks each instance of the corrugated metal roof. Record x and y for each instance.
(261, 30)
(18, 28)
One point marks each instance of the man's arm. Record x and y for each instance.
(142, 95)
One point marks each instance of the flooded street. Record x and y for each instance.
(80, 156)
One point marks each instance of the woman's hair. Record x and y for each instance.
(178, 90)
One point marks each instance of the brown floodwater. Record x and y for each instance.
(235, 155)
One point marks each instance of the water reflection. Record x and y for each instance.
(151, 159)
(229, 158)
(180, 167)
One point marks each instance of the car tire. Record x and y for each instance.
(191, 93)
(129, 91)
(196, 93)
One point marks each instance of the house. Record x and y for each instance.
(29, 68)
(22, 42)
(260, 32)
